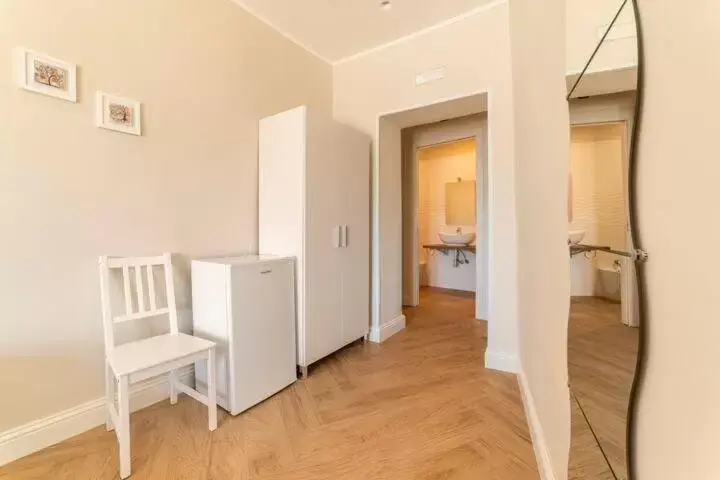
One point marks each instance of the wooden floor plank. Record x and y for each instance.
(601, 362)
(419, 406)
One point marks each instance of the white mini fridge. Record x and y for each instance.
(247, 306)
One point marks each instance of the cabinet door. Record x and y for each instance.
(356, 253)
(323, 324)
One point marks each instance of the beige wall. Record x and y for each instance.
(618, 107)
(205, 72)
(542, 163)
(587, 20)
(678, 416)
(475, 53)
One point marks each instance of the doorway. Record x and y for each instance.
(497, 270)
(599, 215)
(601, 348)
(444, 210)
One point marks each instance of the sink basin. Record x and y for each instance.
(456, 238)
(576, 236)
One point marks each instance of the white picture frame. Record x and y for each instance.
(117, 113)
(44, 74)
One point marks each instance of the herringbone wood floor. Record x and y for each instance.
(419, 406)
(601, 364)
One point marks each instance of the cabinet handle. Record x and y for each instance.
(345, 235)
(337, 236)
(263, 272)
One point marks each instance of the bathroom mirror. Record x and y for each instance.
(460, 202)
(605, 321)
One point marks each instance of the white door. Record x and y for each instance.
(356, 239)
(628, 289)
(323, 325)
(630, 314)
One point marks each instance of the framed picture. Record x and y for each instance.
(40, 73)
(118, 113)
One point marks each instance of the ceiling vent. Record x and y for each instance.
(430, 76)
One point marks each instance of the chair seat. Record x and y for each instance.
(134, 357)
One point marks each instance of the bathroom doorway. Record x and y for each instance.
(395, 268)
(444, 211)
(602, 345)
(598, 216)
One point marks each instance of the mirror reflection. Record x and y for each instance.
(460, 202)
(603, 331)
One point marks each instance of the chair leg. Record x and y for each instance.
(109, 396)
(123, 430)
(211, 391)
(172, 379)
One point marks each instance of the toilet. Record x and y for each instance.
(609, 284)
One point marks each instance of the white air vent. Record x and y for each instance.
(430, 76)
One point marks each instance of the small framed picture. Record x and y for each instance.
(118, 113)
(40, 73)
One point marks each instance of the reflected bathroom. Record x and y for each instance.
(604, 324)
(602, 340)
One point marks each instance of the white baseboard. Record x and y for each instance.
(387, 330)
(542, 454)
(504, 362)
(34, 436)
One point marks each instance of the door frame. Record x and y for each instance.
(628, 282)
(614, 108)
(412, 142)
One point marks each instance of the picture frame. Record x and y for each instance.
(117, 113)
(41, 73)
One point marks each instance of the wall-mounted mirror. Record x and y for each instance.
(603, 333)
(460, 202)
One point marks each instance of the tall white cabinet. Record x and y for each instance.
(314, 204)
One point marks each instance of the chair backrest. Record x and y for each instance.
(134, 266)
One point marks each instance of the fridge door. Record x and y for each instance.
(263, 331)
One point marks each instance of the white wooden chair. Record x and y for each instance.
(136, 361)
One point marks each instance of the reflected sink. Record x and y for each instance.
(576, 236)
(457, 238)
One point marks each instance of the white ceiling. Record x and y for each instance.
(337, 29)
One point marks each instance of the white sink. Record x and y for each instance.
(457, 238)
(576, 236)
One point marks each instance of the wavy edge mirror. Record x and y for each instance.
(641, 256)
(636, 252)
